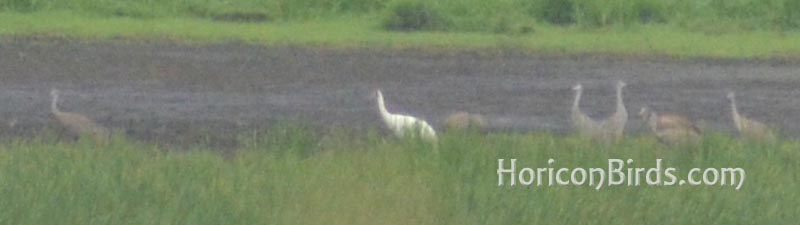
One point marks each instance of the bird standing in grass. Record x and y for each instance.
(463, 120)
(77, 124)
(404, 125)
(671, 128)
(610, 129)
(748, 128)
(616, 123)
(583, 124)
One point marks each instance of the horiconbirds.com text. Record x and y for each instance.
(617, 173)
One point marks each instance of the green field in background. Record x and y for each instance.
(707, 28)
(506, 16)
(361, 32)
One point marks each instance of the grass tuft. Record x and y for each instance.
(412, 16)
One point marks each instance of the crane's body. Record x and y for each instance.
(404, 125)
(77, 124)
(583, 124)
(616, 123)
(463, 120)
(671, 128)
(748, 128)
(610, 129)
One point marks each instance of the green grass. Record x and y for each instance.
(460, 15)
(293, 177)
(364, 31)
(711, 28)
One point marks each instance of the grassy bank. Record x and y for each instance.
(296, 178)
(363, 31)
(711, 28)
(455, 15)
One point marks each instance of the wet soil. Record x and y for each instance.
(176, 92)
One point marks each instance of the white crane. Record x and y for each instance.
(749, 128)
(404, 125)
(77, 124)
(671, 128)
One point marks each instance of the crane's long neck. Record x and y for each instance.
(382, 107)
(620, 103)
(576, 104)
(737, 119)
(54, 104)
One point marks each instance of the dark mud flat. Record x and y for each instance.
(187, 93)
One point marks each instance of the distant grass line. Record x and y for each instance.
(364, 32)
(507, 16)
(290, 176)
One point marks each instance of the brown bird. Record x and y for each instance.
(463, 120)
(77, 124)
(671, 128)
(748, 128)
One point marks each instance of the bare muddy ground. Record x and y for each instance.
(168, 91)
